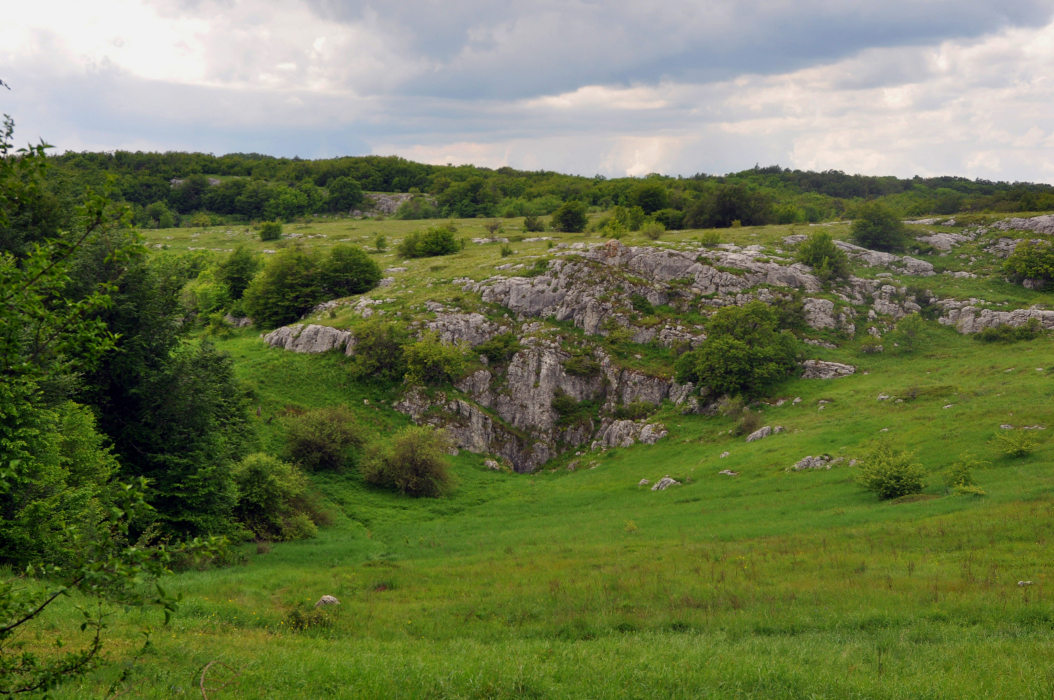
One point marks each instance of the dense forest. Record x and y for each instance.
(172, 189)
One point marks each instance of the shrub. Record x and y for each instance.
(878, 227)
(417, 207)
(748, 422)
(672, 219)
(414, 463)
(273, 499)
(890, 473)
(581, 364)
(285, 289)
(303, 618)
(827, 260)
(431, 362)
(379, 351)
(570, 217)
(506, 250)
(871, 345)
(1031, 261)
(323, 439)
(960, 474)
(1015, 443)
(744, 353)
(380, 243)
(908, 333)
(653, 230)
(238, 270)
(533, 224)
(500, 348)
(270, 230)
(570, 411)
(710, 239)
(635, 410)
(1011, 334)
(437, 240)
(347, 270)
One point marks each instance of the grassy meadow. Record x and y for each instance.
(576, 581)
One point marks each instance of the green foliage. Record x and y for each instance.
(650, 196)
(672, 219)
(345, 194)
(748, 422)
(879, 228)
(286, 288)
(581, 363)
(303, 618)
(437, 240)
(744, 353)
(1032, 261)
(653, 230)
(380, 243)
(533, 224)
(270, 230)
(414, 462)
(1004, 333)
(890, 473)
(506, 250)
(432, 362)
(909, 334)
(347, 270)
(570, 217)
(273, 499)
(379, 351)
(500, 348)
(828, 261)
(205, 294)
(323, 439)
(641, 305)
(571, 412)
(238, 270)
(1015, 443)
(635, 410)
(417, 207)
(726, 204)
(960, 473)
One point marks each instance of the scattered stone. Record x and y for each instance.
(1034, 427)
(762, 433)
(326, 600)
(884, 397)
(728, 472)
(820, 369)
(238, 321)
(643, 482)
(665, 483)
(815, 462)
(723, 455)
(948, 405)
(492, 465)
(1024, 583)
(796, 401)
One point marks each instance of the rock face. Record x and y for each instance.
(310, 338)
(1039, 224)
(875, 258)
(967, 317)
(455, 327)
(623, 433)
(944, 242)
(819, 369)
(762, 433)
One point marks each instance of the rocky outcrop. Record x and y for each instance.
(944, 242)
(1039, 224)
(624, 433)
(820, 369)
(665, 483)
(876, 258)
(310, 338)
(762, 433)
(457, 327)
(967, 317)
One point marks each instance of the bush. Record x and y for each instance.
(500, 348)
(287, 288)
(653, 230)
(414, 463)
(827, 260)
(672, 219)
(582, 364)
(437, 240)
(380, 243)
(636, 410)
(270, 230)
(878, 227)
(347, 270)
(1015, 443)
(744, 353)
(1011, 334)
(570, 217)
(533, 224)
(273, 499)
(889, 473)
(323, 439)
(379, 351)
(908, 334)
(431, 362)
(238, 270)
(1032, 261)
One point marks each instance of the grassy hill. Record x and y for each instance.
(577, 581)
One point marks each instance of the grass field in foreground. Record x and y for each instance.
(583, 584)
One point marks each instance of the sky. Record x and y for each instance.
(616, 88)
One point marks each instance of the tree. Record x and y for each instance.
(273, 498)
(348, 270)
(345, 194)
(890, 473)
(414, 463)
(570, 217)
(238, 270)
(285, 289)
(650, 196)
(878, 227)
(744, 352)
(827, 260)
(437, 240)
(1031, 263)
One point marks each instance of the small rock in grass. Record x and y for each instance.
(724, 454)
(327, 600)
(643, 482)
(728, 472)
(665, 483)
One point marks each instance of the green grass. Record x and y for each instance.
(581, 583)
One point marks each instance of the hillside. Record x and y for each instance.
(553, 568)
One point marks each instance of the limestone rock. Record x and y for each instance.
(1039, 224)
(820, 369)
(764, 432)
(327, 600)
(665, 483)
(310, 338)
(967, 317)
(876, 258)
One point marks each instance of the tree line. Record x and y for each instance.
(170, 189)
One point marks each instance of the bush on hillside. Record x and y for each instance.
(379, 351)
(744, 352)
(414, 462)
(285, 289)
(270, 230)
(533, 224)
(348, 270)
(879, 228)
(432, 362)
(500, 348)
(827, 260)
(1033, 261)
(890, 473)
(273, 499)
(1004, 333)
(570, 217)
(323, 439)
(437, 240)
